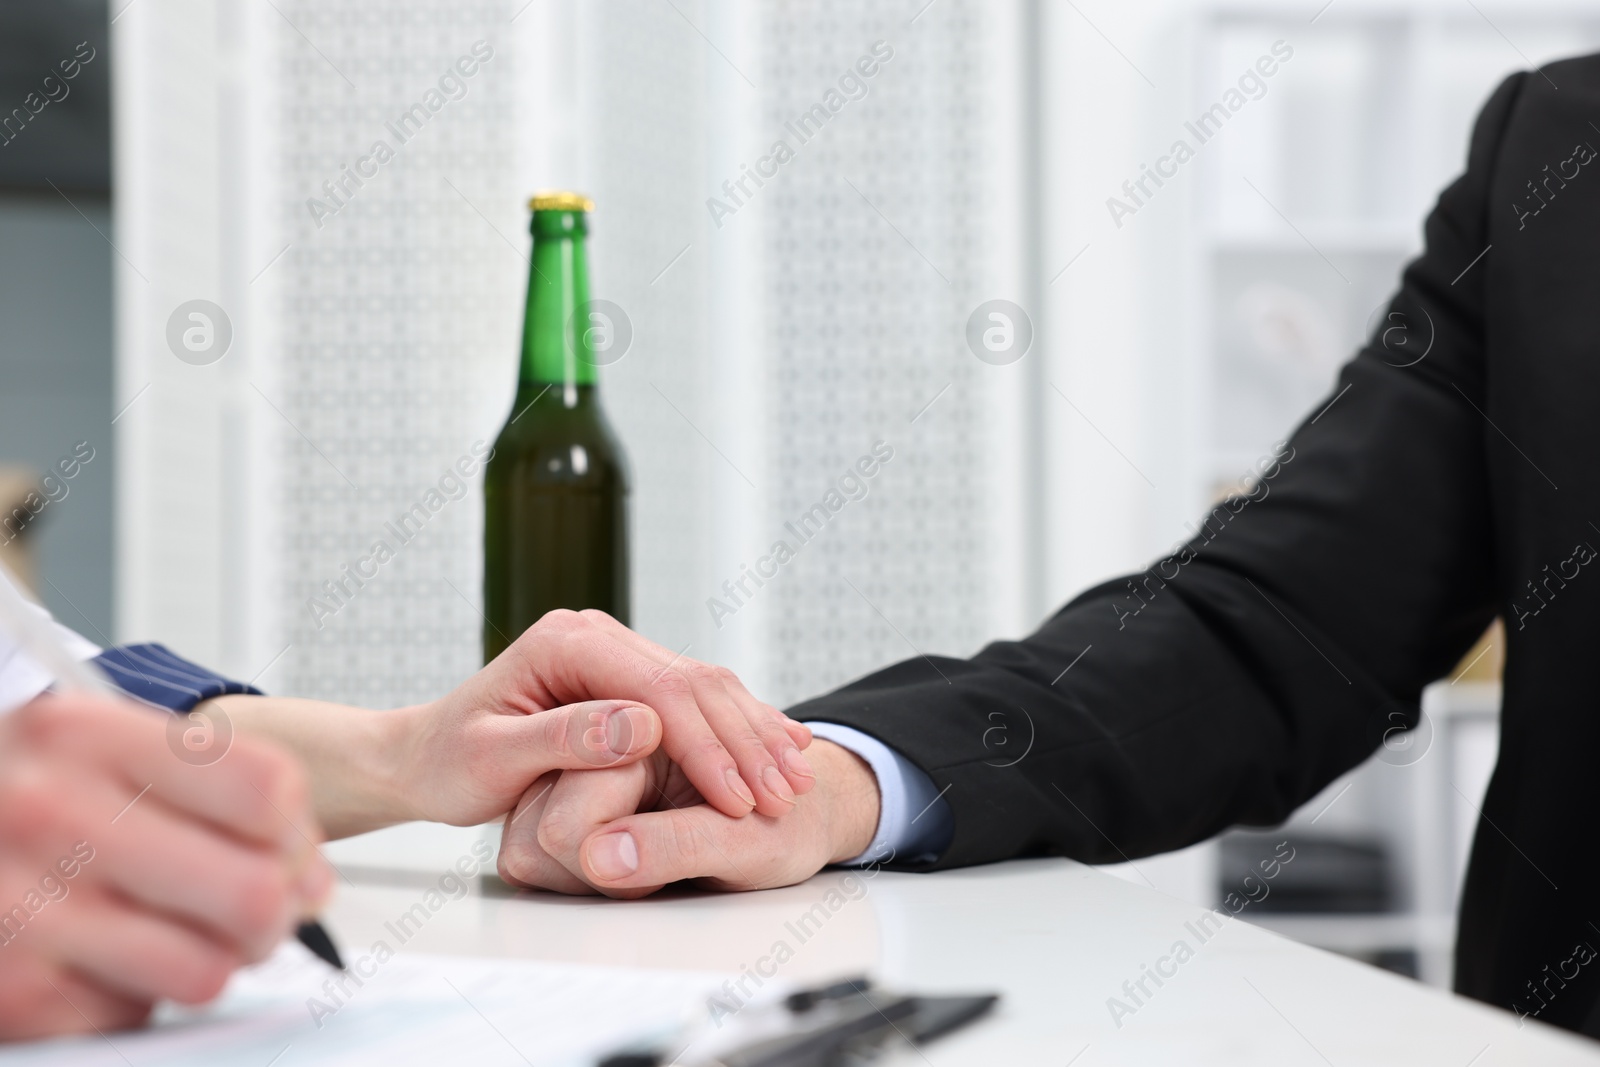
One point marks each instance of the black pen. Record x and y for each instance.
(842, 1022)
(314, 937)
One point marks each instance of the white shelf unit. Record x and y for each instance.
(1304, 208)
(1310, 198)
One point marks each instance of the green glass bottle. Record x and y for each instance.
(556, 488)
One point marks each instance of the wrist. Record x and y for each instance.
(850, 792)
(399, 746)
(370, 785)
(358, 760)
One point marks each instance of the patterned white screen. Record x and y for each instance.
(880, 241)
(643, 130)
(399, 298)
(787, 323)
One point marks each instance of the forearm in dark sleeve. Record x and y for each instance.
(1236, 677)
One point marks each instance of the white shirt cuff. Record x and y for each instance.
(915, 822)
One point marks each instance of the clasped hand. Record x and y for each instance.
(626, 826)
(619, 766)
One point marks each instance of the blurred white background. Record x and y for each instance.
(1171, 345)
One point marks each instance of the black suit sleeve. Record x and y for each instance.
(1231, 681)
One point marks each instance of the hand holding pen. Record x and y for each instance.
(126, 874)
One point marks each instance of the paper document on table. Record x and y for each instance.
(414, 1009)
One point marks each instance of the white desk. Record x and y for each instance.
(1055, 938)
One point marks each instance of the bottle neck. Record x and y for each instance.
(556, 342)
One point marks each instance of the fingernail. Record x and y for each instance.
(736, 784)
(625, 728)
(795, 763)
(614, 856)
(777, 785)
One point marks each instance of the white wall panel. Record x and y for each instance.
(400, 315)
(184, 147)
(884, 233)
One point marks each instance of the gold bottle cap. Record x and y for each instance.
(559, 200)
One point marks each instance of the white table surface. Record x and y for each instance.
(1055, 938)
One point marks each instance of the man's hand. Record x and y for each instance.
(575, 691)
(128, 874)
(627, 831)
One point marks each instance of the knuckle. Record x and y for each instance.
(708, 750)
(672, 685)
(596, 616)
(282, 808)
(518, 862)
(266, 766)
(24, 790)
(259, 907)
(37, 1000)
(558, 833)
(509, 868)
(772, 730)
(62, 723)
(130, 1015)
(748, 742)
(34, 808)
(287, 780)
(200, 976)
(702, 674)
(557, 732)
(686, 848)
(36, 721)
(560, 621)
(30, 1008)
